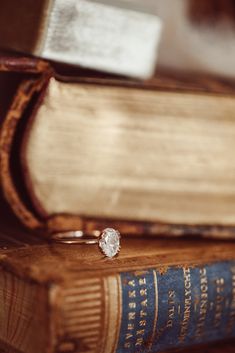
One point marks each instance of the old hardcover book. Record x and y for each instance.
(115, 36)
(87, 151)
(155, 296)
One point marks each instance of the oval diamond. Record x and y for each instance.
(110, 242)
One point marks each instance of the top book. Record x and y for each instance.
(90, 152)
(114, 36)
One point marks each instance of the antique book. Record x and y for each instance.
(118, 36)
(155, 296)
(86, 151)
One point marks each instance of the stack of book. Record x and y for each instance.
(107, 145)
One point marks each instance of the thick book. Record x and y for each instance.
(114, 36)
(83, 151)
(157, 295)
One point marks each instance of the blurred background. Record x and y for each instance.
(198, 35)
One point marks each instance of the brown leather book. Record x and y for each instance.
(156, 296)
(84, 151)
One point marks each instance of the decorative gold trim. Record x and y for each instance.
(156, 308)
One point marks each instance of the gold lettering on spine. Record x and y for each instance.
(132, 305)
(140, 332)
(219, 301)
(143, 292)
(131, 316)
(187, 304)
(143, 313)
(134, 336)
(144, 303)
(139, 341)
(131, 283)
(156, 309)
(231, 320)
(142, 323)
(142, 281)
(132, 294)
(128, 336)
(203, 304)
(171, 308)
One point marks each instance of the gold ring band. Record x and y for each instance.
(108, 240)
(75, 237)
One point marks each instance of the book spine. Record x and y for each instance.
(152, 310)
(177, 307)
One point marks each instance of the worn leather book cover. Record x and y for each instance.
(84, 151)
(156, 296)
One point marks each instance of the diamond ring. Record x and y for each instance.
(108, 240)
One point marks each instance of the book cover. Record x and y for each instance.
(157, 295)
(121, 154)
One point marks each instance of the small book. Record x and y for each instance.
(120, 36)
(84, 151)
(155, 296)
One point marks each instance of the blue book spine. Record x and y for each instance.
(176, 307)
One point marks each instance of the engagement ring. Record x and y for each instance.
(108, 240)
